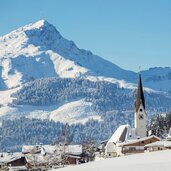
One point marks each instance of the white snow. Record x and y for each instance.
(152, 161)
(159, 144)
(38, 50)
(123, 131)
(24, 55)
(9, 157)
(6, 96)
(75, 112)
(51, 149)
(72, 112)
(65, 67)
(132, 141)
(118, 133)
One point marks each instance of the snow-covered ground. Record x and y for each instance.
(75, 112)
(154, 161)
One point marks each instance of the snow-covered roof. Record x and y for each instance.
(123, 133)
(50, 149)
(31, 149)
(9, 157)
(74, 149)
(48, 159)
(39, 159)
(159, 144)
(129, 142)
(167, 144)
(169, 135)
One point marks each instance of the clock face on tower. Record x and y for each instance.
(141, 116)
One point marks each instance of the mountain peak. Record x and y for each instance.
(37, 25)
(41, 33)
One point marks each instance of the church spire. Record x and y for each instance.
(140, 100)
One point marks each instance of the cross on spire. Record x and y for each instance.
(139, 69)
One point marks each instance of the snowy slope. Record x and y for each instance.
(73, 112)
(156, 161)
(78, 111)
(38, 50)
(158, 78)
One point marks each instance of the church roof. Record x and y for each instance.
(139, 95)
(123, 133)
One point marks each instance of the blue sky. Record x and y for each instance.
(129, 33)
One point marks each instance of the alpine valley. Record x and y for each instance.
(47, 81)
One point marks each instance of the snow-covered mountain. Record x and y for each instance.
(158, 78)
(45, 76)
(38, 51)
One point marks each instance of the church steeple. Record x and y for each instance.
(139, 95)
(140, 119)
(140, 100)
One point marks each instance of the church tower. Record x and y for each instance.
(140, 118)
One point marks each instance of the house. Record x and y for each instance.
(51, 149)
(101, 148)
(127, 140)
(47, 156)
(160, 145)
(137, 145)
(11, 159)
(156, 146)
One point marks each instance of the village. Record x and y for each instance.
(124, 141)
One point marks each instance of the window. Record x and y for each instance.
(142, 142)
(132, 148)
(141, 110)
(141, 116)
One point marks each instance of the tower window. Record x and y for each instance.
(141, 116)
(141, 110)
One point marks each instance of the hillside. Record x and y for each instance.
(76, 100)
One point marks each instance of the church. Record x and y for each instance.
(127, 140)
